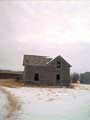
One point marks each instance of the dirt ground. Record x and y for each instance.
(13, 103)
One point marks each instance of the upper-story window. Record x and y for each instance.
(58, 64)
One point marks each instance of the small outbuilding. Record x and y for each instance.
(85, 78)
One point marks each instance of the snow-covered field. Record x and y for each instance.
(52, 103)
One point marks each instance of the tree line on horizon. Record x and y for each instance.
(83, 78)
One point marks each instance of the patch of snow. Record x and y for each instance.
(52, 103)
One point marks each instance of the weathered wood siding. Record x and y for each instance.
(47, 75)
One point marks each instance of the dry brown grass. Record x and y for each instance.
(11, 83)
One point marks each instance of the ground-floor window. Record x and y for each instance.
(36, 77)
(58, 77)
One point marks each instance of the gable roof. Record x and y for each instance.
(59, 57)
(41, 60)
(35, 60)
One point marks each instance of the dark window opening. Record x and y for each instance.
(58, 64)
(36, 77)
(57, 77)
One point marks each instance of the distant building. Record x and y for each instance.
(44, 70)
(85, 78)
(7, 74)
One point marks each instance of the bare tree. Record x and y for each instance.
(75, 77)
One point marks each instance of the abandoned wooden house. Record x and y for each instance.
(45, 70)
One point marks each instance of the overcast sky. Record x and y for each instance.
(45, 28)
